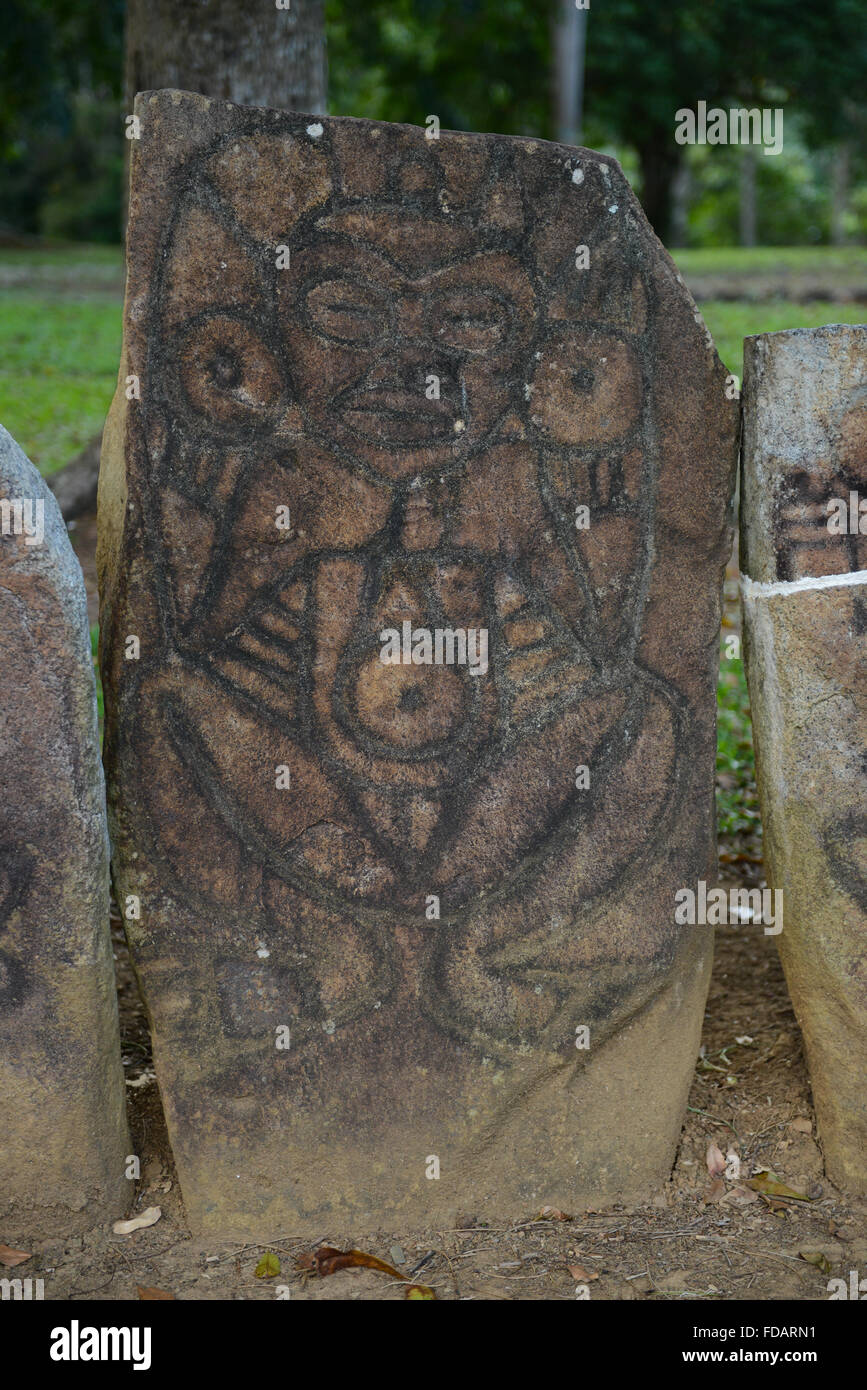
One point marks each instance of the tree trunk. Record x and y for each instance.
(659, 163)
(568, 40)
(252, 54)
(259, 56)
(681, 195)
(839, 195)
(747, 197)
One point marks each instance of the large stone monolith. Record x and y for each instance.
(804, 561)
(63, 1135)
(414, 516)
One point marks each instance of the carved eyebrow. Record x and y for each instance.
(351, 282)
(323, 257)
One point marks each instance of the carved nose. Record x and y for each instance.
(409, 316)
(290, 424)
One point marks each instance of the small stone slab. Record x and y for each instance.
(63, 1137)
(804, 561)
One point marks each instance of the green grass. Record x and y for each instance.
(730, 321)
(58, 367)
(64, 255)
(736, 795)
(94, 648)
(765, 260)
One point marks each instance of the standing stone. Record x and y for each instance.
(63, 1136)
(407, 927)
(804, 559)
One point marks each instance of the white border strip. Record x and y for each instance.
(752, 588)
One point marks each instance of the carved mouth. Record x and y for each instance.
(388, 416)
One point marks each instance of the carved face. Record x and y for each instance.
(402, 368)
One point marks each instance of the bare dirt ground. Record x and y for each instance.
(699, 1238)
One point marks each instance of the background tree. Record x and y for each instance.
(568, 44)
(61, 145)
(477, 64)
(252, 54)
(644, 62)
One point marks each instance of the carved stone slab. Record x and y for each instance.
(414, 506)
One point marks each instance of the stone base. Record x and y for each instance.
(575, 1133)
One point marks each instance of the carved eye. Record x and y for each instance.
(587, 390)
(469, 319)
(347, 312)
(228, 372)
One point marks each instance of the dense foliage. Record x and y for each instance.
(480, 65)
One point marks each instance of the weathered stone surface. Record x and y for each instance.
(63, 1136)
(308, 908)
(805, 609)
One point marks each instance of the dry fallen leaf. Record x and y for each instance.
(715, 1192)
(10, 1258)
(147, 1218)
(268, 1267)
(774, 1205)
(552, 1214)
(148, 1295)
(802, 1125)
(716, 1164)
(815, 1257)
(767, 1184)
(579, 1272)
(741, 1196)
(327, 1260)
